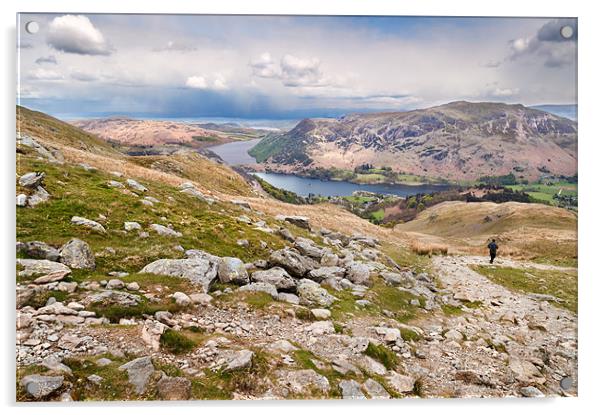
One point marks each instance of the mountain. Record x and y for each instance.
(459, 140)
(567, 111)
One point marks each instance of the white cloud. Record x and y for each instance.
(197, 82)
(76, 34)
(292, 71)
(217, 82)
(548, 44)
(265, 67)
(84, 76)
(46, 59)
(41, 74)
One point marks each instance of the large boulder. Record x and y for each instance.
(291, 260)
(232, 271)
(39, 386)
(151, 333)
(173, 388)
(260, 287)
(300, 221)
(308, 248)
(39, 267)
(200, 268)
(324, 273)
(276, 276)
(32, 179)
(400, 383)
(350, 389)
(77, 254)
(310, 293)
(139, 372)
(39, 250)
(87, 223)
(359, 273)
(110, 297)
(241, 360)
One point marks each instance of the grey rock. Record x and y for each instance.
(292, 261)
(181, 299)
(310, 292)
(139, 372)
(288, 298)
(115, 284)
(94, 378)
(321, 313)
(110, 297)
(308, 248)
(241, 360)
(324, 273)
(54, 364)
(375, 390)
(151, 333)
(52, 277)
(103, 362)
(77, 254)
(131, 226)
(132, 286)
(400, 383)
(174, 388)
(372, 366)
(32, 179)
(232, 270)
(201, 298)
(531, 392)
(135, 185)
(115, 184)
(165, 231)
(197, 194)
(87, 223)
(320, 328)
(200, 268)
(276, 276)
(260, 287)
(283, 346)
(359, 273)
(39, 267)
(329, 260)
(286, 234)
(21, 200)
(39, 196)
(39, 386)
(300, 221)
(40, 250)
(300, 382)
(350, 389)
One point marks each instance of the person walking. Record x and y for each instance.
(492, 250)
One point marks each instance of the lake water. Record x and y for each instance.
(236, 153)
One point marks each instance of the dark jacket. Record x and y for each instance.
(492, 247)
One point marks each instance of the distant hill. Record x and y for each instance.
(566, 111)
(459, 140)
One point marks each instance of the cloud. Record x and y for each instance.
(265, 67)
(292, 71)
(46, 59)
(218, 82)
(172, 46)
(24, 45)
(548, 44)
(41, 74)
(491, 64)
(76, 34)
(84, 76)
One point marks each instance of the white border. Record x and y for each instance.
(590, 154)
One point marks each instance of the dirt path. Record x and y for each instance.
(511, 340)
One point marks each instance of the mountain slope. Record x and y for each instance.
(460, 140)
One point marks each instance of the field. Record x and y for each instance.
(546, 192)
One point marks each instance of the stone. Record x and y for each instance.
(132, 226)
(21, 200)
(32, 179)
(232, 271)
(321, 313)
(135, 185)
(375, 390)
(54, 364)
(300, 382)
(139, 372)
(286, 234)
(241, 360)
(531, 392)
(400, 383)
(319, 328)
(350, 389)
(200, 268)
(94, 378)
(174, 388)
(300, 221)
(454, 335)
(276, 276)
(76, 306)
(242, 203)
(151, 333)
(525, 371)
(292, 261)
(87, 223)
(115, 184)
(165, 317)
(55, 308)
(359, 273)
(165, 231)
(39, 196)
(103, 362)
(392, 335)
(39, 386)
(260, 287)
(40, 250)
(52, 277)
(283, 346)
(77, 254)
(132, 286)
(110, 297)
(344, 367)
(201, 298)
(324, 273)
(371, 366)
(329, 260)
(288, 298)
(308, 248)
(310, 293)
(115, 284)
(39, 267)
(181, 299)
(197, 194)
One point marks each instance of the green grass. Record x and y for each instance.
(39, 299)
(378, 215)
(546, 192)
(383, 354)
(176, 342)
(560, 284)
(451, 310)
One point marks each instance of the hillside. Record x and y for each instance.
(455, 141)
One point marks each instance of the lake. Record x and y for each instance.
(236, 153)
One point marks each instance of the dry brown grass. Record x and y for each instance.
(430, 249)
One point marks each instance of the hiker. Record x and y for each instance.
(492, 250)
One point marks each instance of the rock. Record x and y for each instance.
(66, 397)
(53, 156)
(310, 293)
(276, 276)
(321, 313)
(181, 299)
(151, 333)
(405, 279)
(76, 306)
(165, 231)
(39, 196)
(103, 362)
(344, 367)
(232, 270)
(401, 383)
(359, 273)
(201, 298)
(243, 204)
(32, 179)
(131, 226)
(242, 242)
(350, 389)
(375, 390)
(241, 360)
(300, 221)
(174, 388)
(454, 335)
(324, 273)
(300, 382)
(139, 372)
(87, 223)
(372, 366)
(39, 386)
(52, 277)
(54, 364)
(196, 193)
(21, 200)
(531, 392)
(525, 371)
(283, 346)
(391, 334)
(39, 267)
(110, 297)
(292, 261)
(115, 284)
(77, 254)
(244, 219)
(97, 380)
(286, 234)
(260, 287)
(165, 317)
(40, 250)
(135, 185)
(288, 298)
(329, 260)
(115, 184)
(200, 268)
(308, 248)
(86, 167)
(55, 308)
(132, 286)
(320, 328)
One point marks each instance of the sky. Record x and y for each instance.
(274, 67)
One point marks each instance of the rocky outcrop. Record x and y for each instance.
(292, 261)
(87, 223)
(200, 268)
(232, 271)
(76, 254)
(277, 277)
